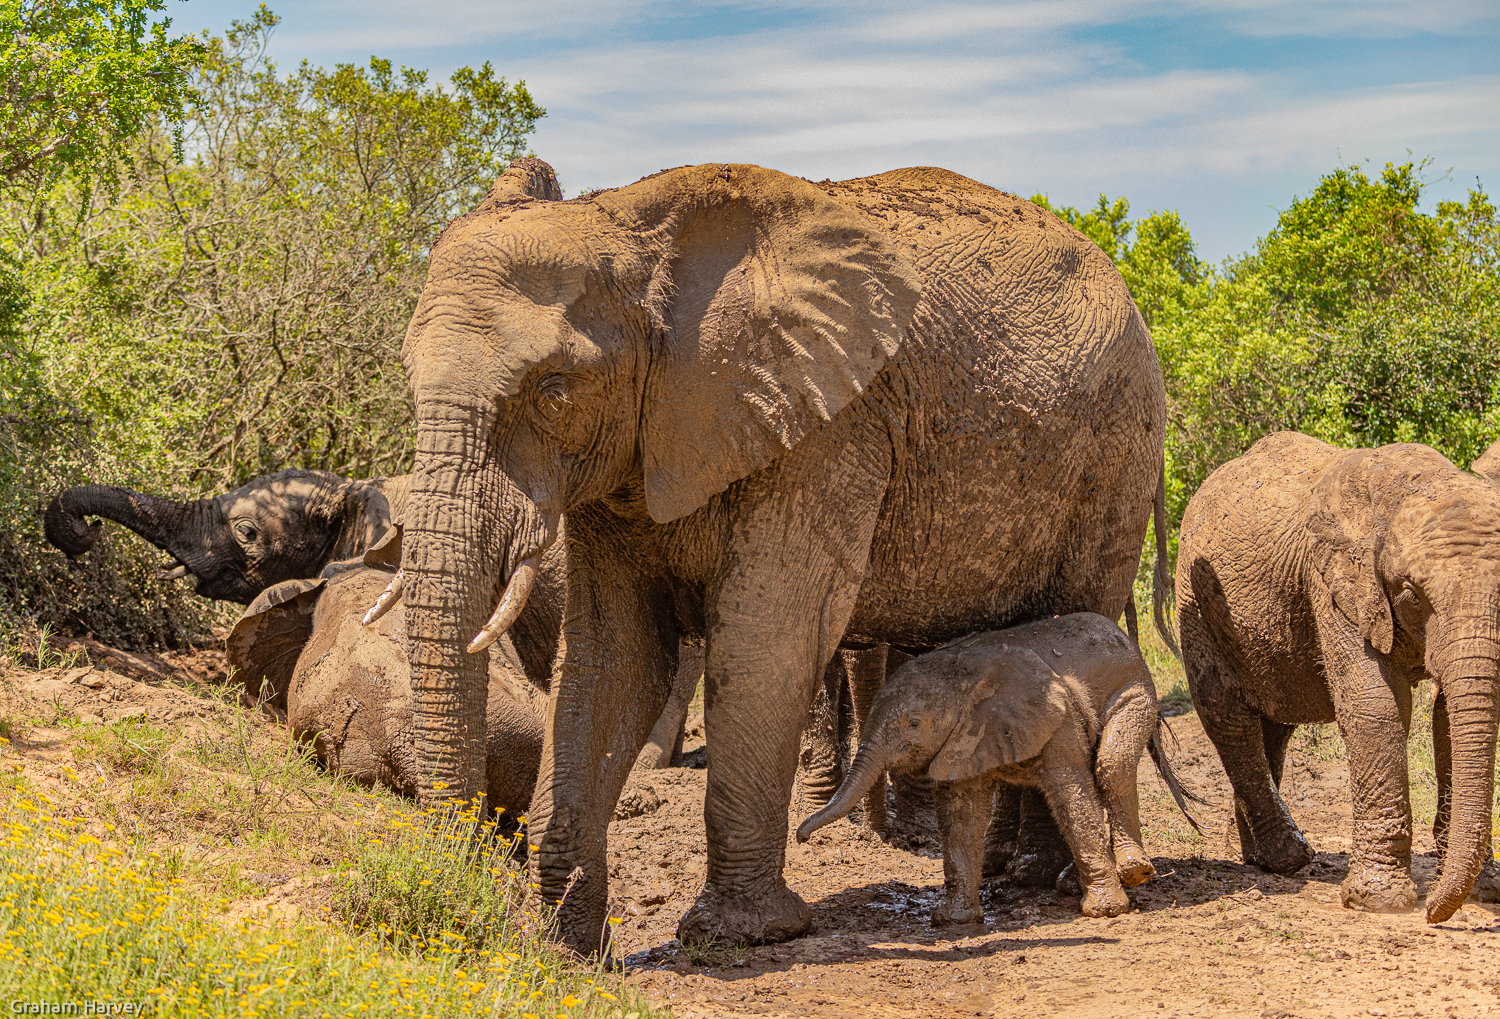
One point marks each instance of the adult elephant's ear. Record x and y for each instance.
(1008, 716)
(776, 306)
(263, 647)
(1346, 519)
(1488, 464)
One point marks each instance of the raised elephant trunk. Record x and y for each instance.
(868, 768)
(1469, 690)
(159, 521)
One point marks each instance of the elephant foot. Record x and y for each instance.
(1135, 868)
(1277, 848)
(736, 920)
(1372, 889)
(1104, 900)
(1036, 869)
(1068, 882)
(951, 913)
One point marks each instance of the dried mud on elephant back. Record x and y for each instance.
(1210, 937)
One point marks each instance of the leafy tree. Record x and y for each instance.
(237, 305)
(78, 80)
(1359, 319)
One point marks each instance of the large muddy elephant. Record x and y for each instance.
(776, 413)
(283, 526)
(1317, 584)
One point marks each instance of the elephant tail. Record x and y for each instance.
(1164, 769)
(1159, 579)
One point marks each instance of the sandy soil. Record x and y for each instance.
(1209, 937)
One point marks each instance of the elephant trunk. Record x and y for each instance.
(162, 522)
(468, 532)
(1469, 689)
(868, 768)
(449, 572)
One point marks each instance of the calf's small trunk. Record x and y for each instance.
(867, 769)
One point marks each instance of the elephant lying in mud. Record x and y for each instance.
(1065, 705)
(346, 687)
(1317, 584)
(283, 526)
(778, 416)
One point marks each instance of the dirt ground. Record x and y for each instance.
(1209, 937)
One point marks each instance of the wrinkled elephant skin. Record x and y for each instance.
(776, 414)
(1317, 584)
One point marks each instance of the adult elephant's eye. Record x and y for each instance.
(246, 533)
(552, 396)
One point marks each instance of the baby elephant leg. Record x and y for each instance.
(1066, 776)
(963, 815)
(1130, 720)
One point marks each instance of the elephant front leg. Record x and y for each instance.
(1374, 711)
(775, 616)
(963, 814)
(620, 649)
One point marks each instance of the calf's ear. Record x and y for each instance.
(1010, 712)
(385, 554)
(263, 647)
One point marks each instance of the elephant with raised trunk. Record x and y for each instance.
(776, 414)
(1318, 584)
(283, 526)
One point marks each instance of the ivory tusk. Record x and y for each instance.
(512, 601)
(174, 574)
(389, 597)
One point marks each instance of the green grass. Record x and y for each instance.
(135, 859)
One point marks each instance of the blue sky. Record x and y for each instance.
(1221, 109)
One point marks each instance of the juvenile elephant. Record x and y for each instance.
(776, 414)
(283, 526)
(346, 687)
(1317, 584)
(1065, 705)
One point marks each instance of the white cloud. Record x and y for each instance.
(1055, 95)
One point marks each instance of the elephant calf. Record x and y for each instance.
(990, 708)
(346, 688)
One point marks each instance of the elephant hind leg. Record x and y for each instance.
(1269, 837)
(1066, 776)
(1130, 720)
